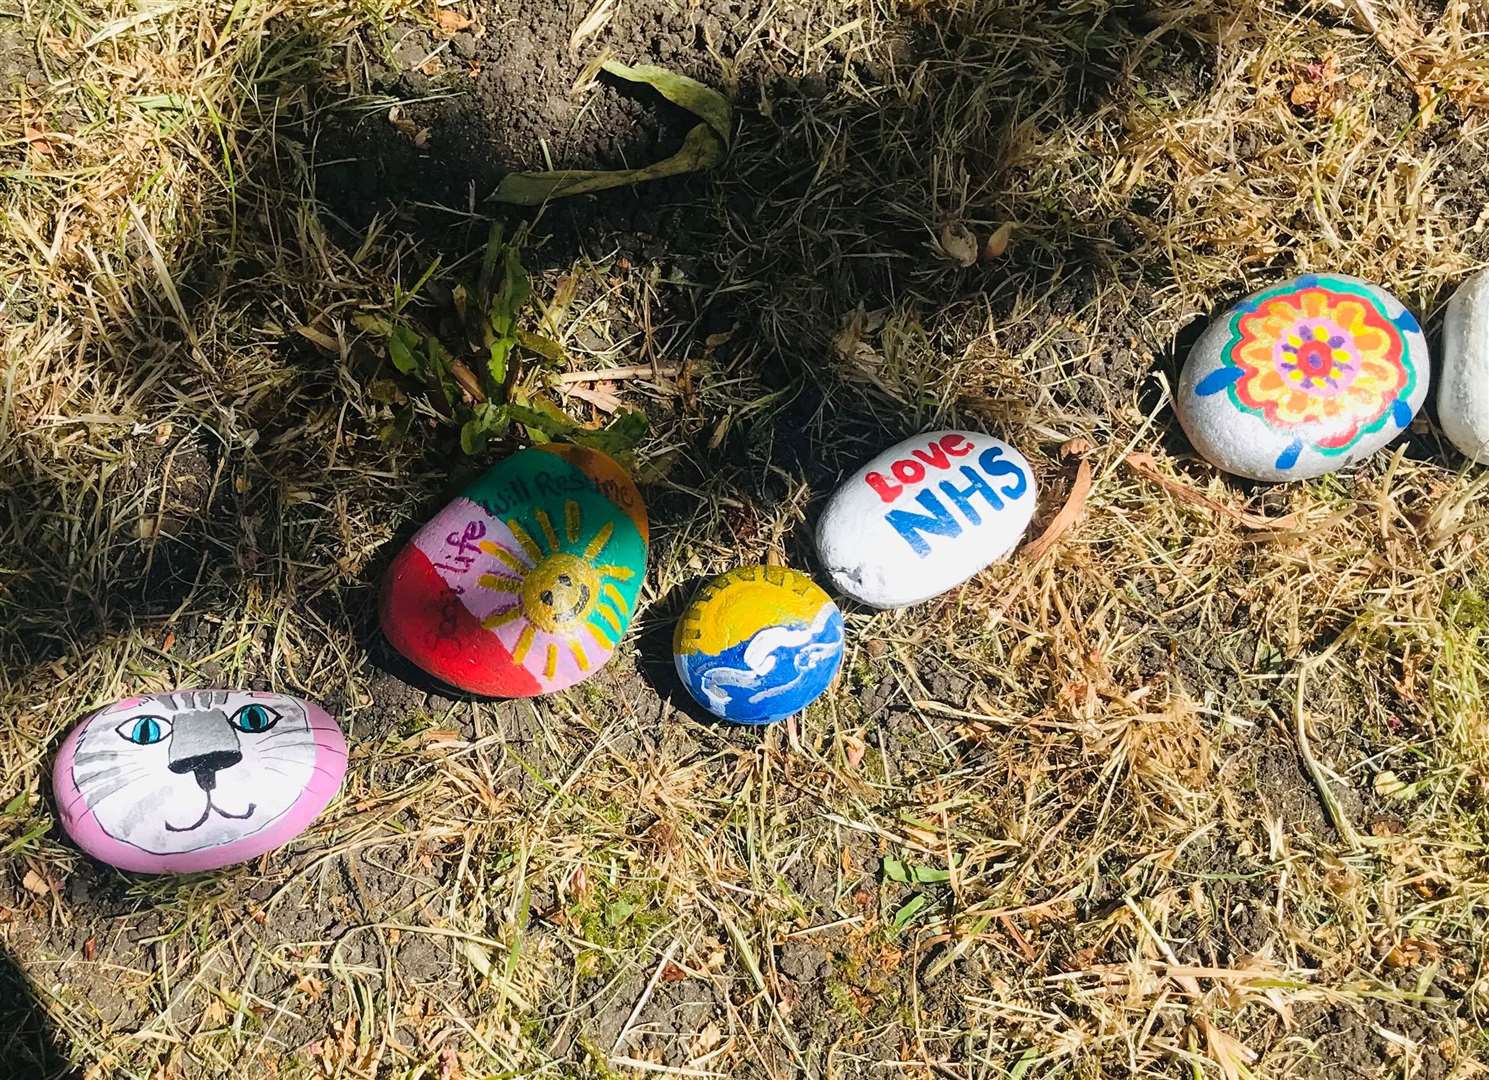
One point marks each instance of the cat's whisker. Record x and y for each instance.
(283, 757)
(282, 734)
(261, 751)
(105, 771)
(324, 772)
(291, 747)
(85, 757)
(314, 768)
(110, 779)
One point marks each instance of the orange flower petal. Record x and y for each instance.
(1389, 377)
(1349, 314)
(1258, 354)
(1365, 403)
(1315, 303)
(1372, 341)
(1296, 407)
(1284, 307)
(1263, 327)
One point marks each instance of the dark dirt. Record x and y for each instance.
(1351, 1044)
(20, 69)
(498, 96)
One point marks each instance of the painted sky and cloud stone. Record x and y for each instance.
(758, 644)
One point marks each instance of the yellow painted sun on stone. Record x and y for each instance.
(561, 591)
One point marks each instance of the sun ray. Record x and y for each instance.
(602, 538)
(619, 573)
(506, 557)
(550, 668)
(500, 618)
(579, 657)
(499, 582)
(599, 635)
(609, 616)
(546, 523)
(524, 643)
(614, 596)
(573, 520)
(528, 544)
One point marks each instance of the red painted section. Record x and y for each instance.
(423, 618)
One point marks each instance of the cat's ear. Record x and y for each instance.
(144, 730)
(255, 719)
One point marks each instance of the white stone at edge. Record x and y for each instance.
(1463, 394)
(868, 559)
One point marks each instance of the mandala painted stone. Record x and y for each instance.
(196, 779)
(758, 644)
(526, 581)
(1303, 378)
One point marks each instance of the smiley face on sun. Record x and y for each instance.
(562, 604)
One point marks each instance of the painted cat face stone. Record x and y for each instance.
(196, 779)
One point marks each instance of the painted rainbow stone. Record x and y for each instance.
(196, 779)
(526, 581)
(758, 644)
(1303, 378)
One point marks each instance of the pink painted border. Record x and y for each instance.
(83, 828)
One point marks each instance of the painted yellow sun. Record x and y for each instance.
(563, 597)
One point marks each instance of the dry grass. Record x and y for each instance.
(1088, 764)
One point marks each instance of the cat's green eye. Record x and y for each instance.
(145, 730)
(255, 719)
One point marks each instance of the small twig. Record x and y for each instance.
(656, 977)
(1145, 466)
(640, 371)
(1335, 812)
(467, 380)
(851, 920)
(1013, 932)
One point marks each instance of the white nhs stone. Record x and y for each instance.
(924, 516)
(1463, 396)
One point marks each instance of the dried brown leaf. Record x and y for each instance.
(997, 243)
(36, 139)
(451, 21)
(957, 244)
(1069, 513)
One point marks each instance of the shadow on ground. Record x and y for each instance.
(28, 1046)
